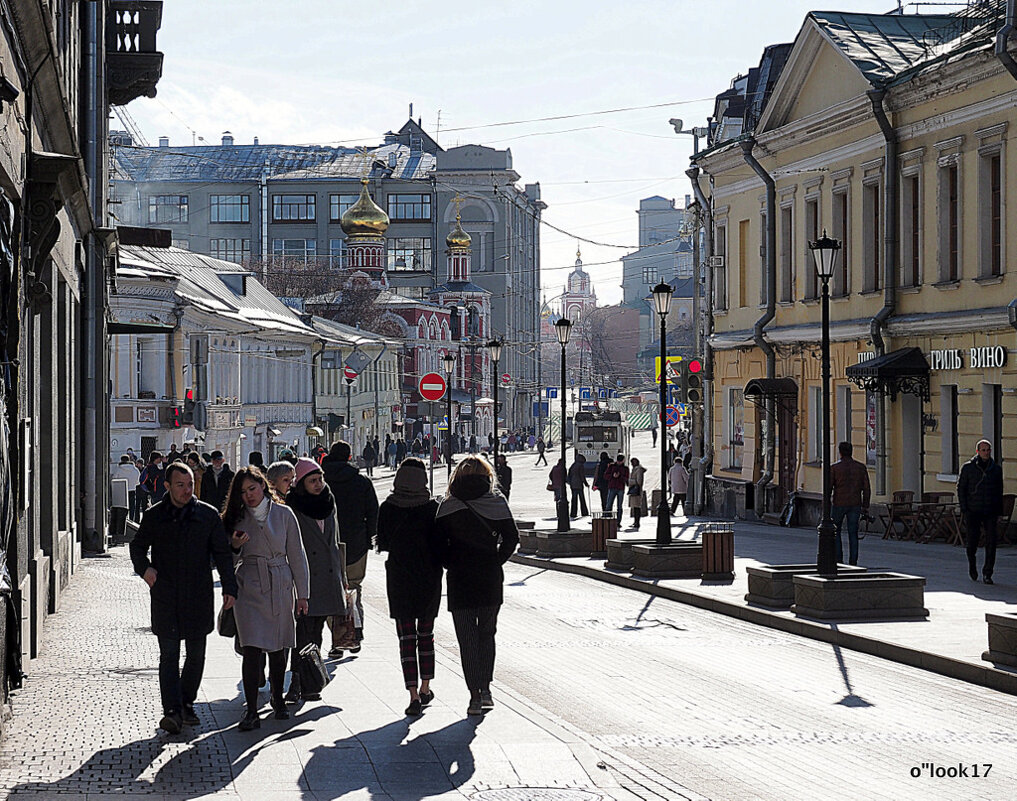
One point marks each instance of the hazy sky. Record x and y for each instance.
(321, 71)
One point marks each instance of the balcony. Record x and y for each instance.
(133, 65)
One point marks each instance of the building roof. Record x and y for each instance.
(348, 335)
(198, 283)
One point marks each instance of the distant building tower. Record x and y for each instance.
(459, 243)
(364, 224)
(579, 296)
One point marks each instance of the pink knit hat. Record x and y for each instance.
(305, 467)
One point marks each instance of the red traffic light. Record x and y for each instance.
(189, 395)
(694, 366)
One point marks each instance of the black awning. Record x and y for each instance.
(771, 388)
(900, 371)
(138, 328)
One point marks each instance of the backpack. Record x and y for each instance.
(150, 480)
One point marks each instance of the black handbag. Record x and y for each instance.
(313, 675)
(226, 624)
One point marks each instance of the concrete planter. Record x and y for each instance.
(868, 596)
(553, 543)
(771, 585)
(1002, 639)
(527, 542)
(619, 553)
(678, 560)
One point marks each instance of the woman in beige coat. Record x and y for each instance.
(271, 569)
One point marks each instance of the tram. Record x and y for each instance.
(597, 432)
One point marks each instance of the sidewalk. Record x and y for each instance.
(85, 723)
(949, 642)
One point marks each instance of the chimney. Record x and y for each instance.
(255, 140)
(163, 141)
(227, 139)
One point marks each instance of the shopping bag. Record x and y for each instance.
(311, 667)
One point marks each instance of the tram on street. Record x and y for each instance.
(600, 431)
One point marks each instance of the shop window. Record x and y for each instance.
(992, 419)
(948, 429)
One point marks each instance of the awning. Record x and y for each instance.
(275, 432)
(904, 370)
(314, 431)
(783, 391)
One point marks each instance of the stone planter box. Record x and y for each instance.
(1002, 639)
(619, 553)
(678, 560)
(553, 543)
(527, 542)
(866, 596)
(525, 524)
(771, 585)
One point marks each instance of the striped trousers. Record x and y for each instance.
(416, 649)
(475, 630)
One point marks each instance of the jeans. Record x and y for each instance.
(180, 688)
(612, 494)
(853, 514)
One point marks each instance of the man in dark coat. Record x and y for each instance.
(578, 484)
(184, 535)
(503, 473)
(215, 484)
(980, 494)
(357, 508)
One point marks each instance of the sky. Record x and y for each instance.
(327, 72)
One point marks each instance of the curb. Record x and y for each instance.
(981, 675)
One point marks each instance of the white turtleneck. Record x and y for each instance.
(260, 511)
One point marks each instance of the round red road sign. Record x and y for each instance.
(432, 387)
(350, 373)
(505, 378)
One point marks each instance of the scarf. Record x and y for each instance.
(316, 507)
(260, 512)
(409, 487)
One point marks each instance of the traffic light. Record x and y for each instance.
(693, 380)
(683, 386)
(175, 415)
(188, 416)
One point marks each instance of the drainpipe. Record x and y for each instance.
(1003, 39)
(704, 329)
(263, 191)
(771, 312)
(890, 223)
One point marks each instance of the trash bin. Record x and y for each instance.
(718, 552)
(605, 527)
(654, 502)
(118, 524)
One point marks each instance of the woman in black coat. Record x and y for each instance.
(477, 536)
(600, 481)
(408, 531)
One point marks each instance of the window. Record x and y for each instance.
(292, 208)
(409, 207)
(811, 235)
(815, 424)
(743, 262)
(990, 212)
(301, 250)
(736, 428)
(948, 429)
(911, 230)
(841, 231)
(787, 243)
(650, 275)
(338, 205)
(230, 208)
(336, 253)
(236, 250)
(949, 220)
(167, 208)
(871, 239)
(720, 271)
(409, 253)
(843, 414)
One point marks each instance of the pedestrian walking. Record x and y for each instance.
(654, 432)
(503, 473)
(312, 502)
(257, 459)
(215, 484)
(153, 479)
(193, 461)
(400, 451)
(408, 532)
(357, 506)
(600, 479)
(556, 481)
(980, 493)
(271, 570)
(850, 493)
(141, 496)
(280, 478)
(390, 450)
(477, 536)
(637, 497)
(184, 536)
(678, 479)
(369, 455)
(578, 484)
(541, 447)
(616, 475)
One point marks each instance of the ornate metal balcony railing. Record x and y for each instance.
(133, 65)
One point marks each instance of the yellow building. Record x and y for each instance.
(891, 133)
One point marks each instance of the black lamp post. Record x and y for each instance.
(562, 329)
(825, 252)
(449, 360)
(494, 348)
(662, 305)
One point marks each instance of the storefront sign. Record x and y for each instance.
(945, 359)
(987, 358)
(984, 358)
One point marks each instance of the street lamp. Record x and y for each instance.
(449, 360)
(662, 305)
(494, 348)
(825, 251)
(562, 329)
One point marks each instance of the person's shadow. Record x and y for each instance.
(381, 761)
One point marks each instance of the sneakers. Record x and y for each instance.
(335, 653)
(426, 698)
(486, 701)
(415, 707)
(250, 722)
(171, 722)
(188, 716)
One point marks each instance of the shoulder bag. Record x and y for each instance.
(313, 675)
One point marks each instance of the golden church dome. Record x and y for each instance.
(458, 239)
(365, 217)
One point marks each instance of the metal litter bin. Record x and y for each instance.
(718, 552)
(605, 527)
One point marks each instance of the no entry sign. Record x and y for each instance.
(432, 387)
(349, 373)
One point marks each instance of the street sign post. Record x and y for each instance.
(432, 386)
